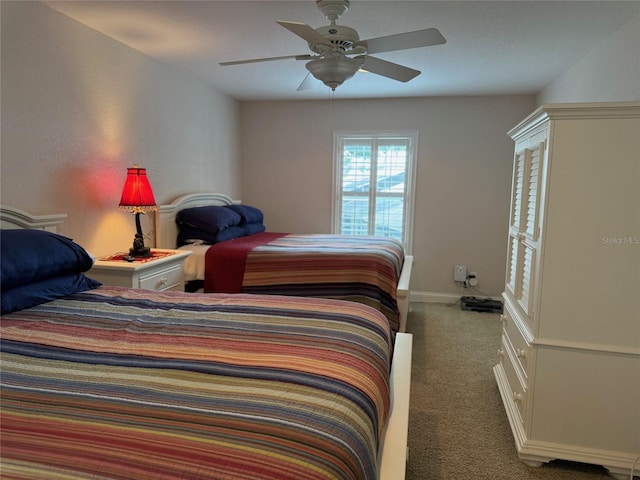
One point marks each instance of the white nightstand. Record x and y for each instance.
(164, 270)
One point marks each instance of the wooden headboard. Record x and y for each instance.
(166, 228)
(12, 218)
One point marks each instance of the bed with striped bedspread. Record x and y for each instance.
(129, 384)
(363, 269)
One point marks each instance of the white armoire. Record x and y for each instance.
(569, 369)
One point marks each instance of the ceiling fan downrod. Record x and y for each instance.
(333, 9)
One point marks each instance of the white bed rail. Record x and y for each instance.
(403, 293)
(392, 460)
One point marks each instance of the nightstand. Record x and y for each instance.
(164, 270)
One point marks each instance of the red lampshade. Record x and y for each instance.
(137, 195)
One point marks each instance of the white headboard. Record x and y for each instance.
(166, 228)
(12, 218)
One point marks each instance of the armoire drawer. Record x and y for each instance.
(521, 347)
(517, 383)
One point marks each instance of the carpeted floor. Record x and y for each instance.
(458, 426)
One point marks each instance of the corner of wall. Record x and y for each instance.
(608, 73)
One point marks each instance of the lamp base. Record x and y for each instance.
(139, 250)
(140, 253)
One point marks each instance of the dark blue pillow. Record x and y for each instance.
(27, 296)
(187, 235)
(210, 219)
(248, 213)
(28, 256)
(251, 228)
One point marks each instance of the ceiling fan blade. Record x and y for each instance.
(308, 83)
(305, 32)
(404, 41)
(267, 59)
(389, 69)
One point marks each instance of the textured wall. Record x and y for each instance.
(79, 107)
(463, 174)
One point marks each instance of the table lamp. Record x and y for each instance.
(137, 197)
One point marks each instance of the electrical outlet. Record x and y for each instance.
(459, 273)
(472, 279)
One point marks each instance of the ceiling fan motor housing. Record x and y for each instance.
(339, 36)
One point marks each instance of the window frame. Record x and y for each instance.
(339, 137)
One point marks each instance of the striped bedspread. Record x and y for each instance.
(116, 383)
(354, 268)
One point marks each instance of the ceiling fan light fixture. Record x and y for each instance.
(333, 71)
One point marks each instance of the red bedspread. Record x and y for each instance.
(229, 260)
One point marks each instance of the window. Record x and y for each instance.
(374, 183)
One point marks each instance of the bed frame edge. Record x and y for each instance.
(403, 293)
(394, 452)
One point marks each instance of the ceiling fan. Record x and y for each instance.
(338, 52)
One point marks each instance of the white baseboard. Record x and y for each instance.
(434, 297)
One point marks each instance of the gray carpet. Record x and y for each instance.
(458, 428)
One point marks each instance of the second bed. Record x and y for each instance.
(369, 270)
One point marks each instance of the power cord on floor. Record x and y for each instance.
(453, 304)
(468, 290)
(479, 292)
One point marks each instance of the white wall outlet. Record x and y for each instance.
(459, 273)
(472, 279)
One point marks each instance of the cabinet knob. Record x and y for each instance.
(517, 397)
(163, 281)
(521, 353)
(503, 318)
(500, 353)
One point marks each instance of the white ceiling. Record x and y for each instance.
(493, 47)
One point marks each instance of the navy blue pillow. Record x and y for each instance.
(210, 219)
(187, 235)
(248, 213)
(27, 296)
(251, 228)
(28, 256)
